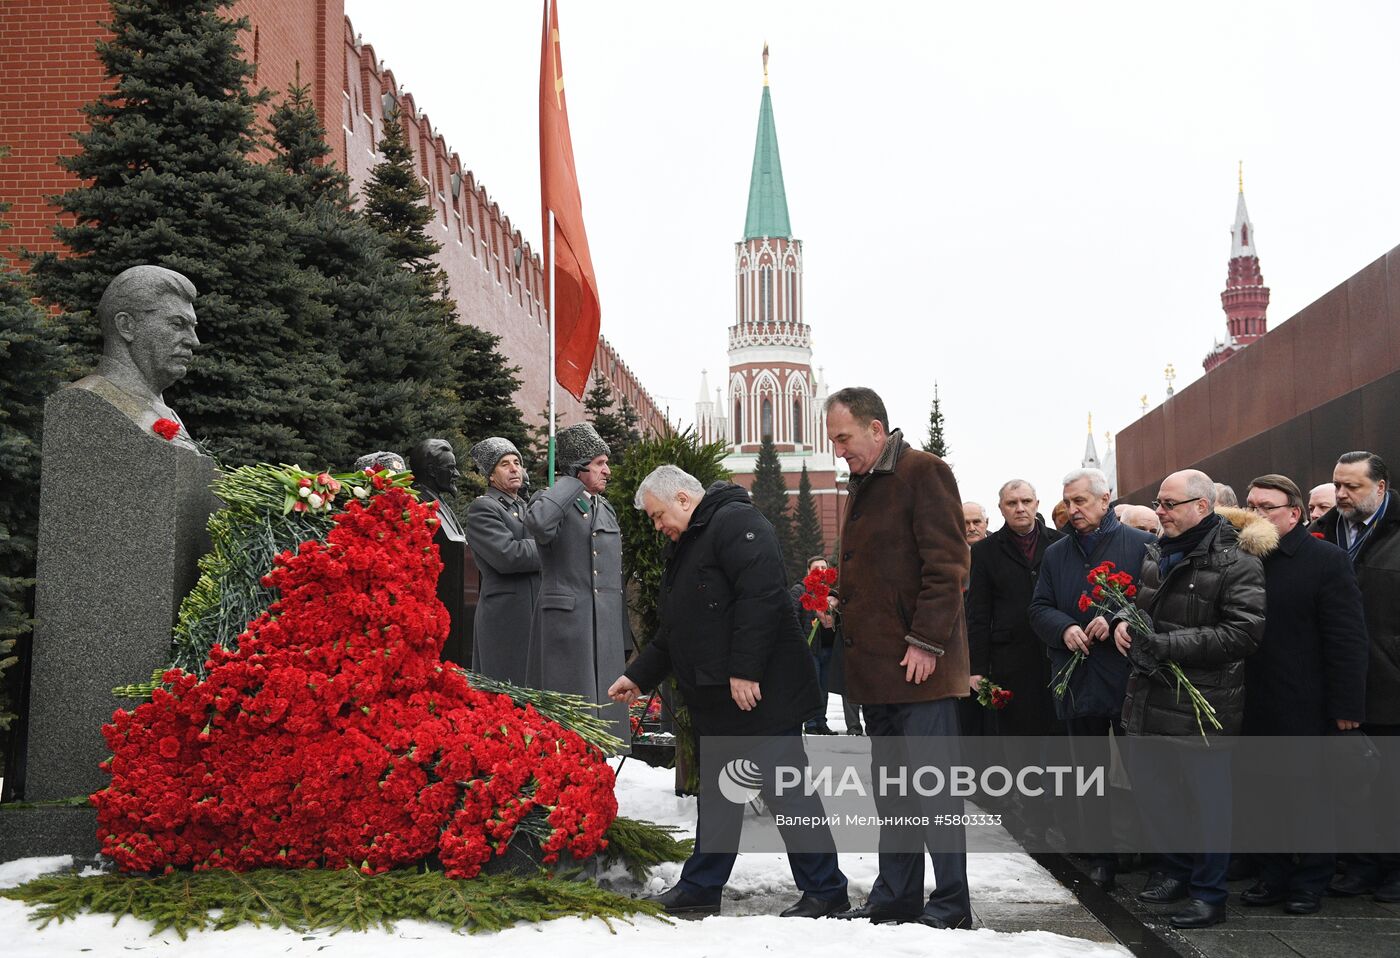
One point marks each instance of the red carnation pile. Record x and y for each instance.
(334, 737)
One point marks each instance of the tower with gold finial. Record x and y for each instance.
(1245, 298)
(1091, 453)
(772, 392)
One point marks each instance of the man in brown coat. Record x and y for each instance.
(904, 654)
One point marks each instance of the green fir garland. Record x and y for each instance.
(305, 901)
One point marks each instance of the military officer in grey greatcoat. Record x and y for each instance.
(579, 633)
(508, 560)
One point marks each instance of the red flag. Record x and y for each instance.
(577, 316)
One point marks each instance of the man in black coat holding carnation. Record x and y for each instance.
(730, 637)
(1202, 591)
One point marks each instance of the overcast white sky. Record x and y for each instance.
(1029, 202)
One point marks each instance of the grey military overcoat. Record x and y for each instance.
(509, 562)
(579, 634)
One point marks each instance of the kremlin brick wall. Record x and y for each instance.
(49, 68)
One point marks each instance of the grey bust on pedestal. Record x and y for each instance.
(435, 474)
(121, 528)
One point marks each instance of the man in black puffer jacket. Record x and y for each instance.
(730, 637)
(1203, 589)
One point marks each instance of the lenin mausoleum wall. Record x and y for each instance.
(1325, 382)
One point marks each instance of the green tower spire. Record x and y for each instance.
(768, 213)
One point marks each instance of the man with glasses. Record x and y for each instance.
(1309, 675)
(1202, 589)
(1366, 523)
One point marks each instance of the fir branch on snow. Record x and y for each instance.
(305, 901)
(642, 845)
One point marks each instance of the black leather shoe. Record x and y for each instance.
(1303, 903)
(1102, 877)
(1161, 890)
(1198, 914)
(1349, 886)
(809, 907)
(677, 901)
(1388, 890)
(877, 915)
(1261, 893)
(933, 921)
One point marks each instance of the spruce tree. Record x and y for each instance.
(167, 178)
(390, 337)
(33, 363)
(477, 383)
(395, 200)
(807, 539)
(936, 444)
(770, 495)
(616, 423)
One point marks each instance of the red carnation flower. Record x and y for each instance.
(166, 429)
(1084, 604)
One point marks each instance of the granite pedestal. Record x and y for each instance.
(121, 528)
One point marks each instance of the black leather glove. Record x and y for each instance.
(1148, 652)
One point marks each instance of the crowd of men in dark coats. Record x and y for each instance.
(1287, 627)
(1284, 615)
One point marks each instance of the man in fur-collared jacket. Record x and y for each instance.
(1202, 588)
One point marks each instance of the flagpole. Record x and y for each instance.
(550, 247)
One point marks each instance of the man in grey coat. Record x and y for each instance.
(579, 632)
(508, 560)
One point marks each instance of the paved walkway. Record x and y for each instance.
(1344, 928)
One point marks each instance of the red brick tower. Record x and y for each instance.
(1245, 298)
(773, 392)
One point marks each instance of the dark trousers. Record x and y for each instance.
(852, 711)
(816, 873)
(900, 886)
(1090, 810)
(1200, 776)
(1378, 867)
(1310, 872)
(822, 657)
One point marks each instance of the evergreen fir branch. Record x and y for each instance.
(312, 900)
(571, 712)
(642, 845)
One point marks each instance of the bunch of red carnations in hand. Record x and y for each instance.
(334, 737)
(993, 696)
(816, 595)
(1112, 593)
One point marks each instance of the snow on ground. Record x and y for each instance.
(760, 887)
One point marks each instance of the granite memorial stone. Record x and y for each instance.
(123, 511)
